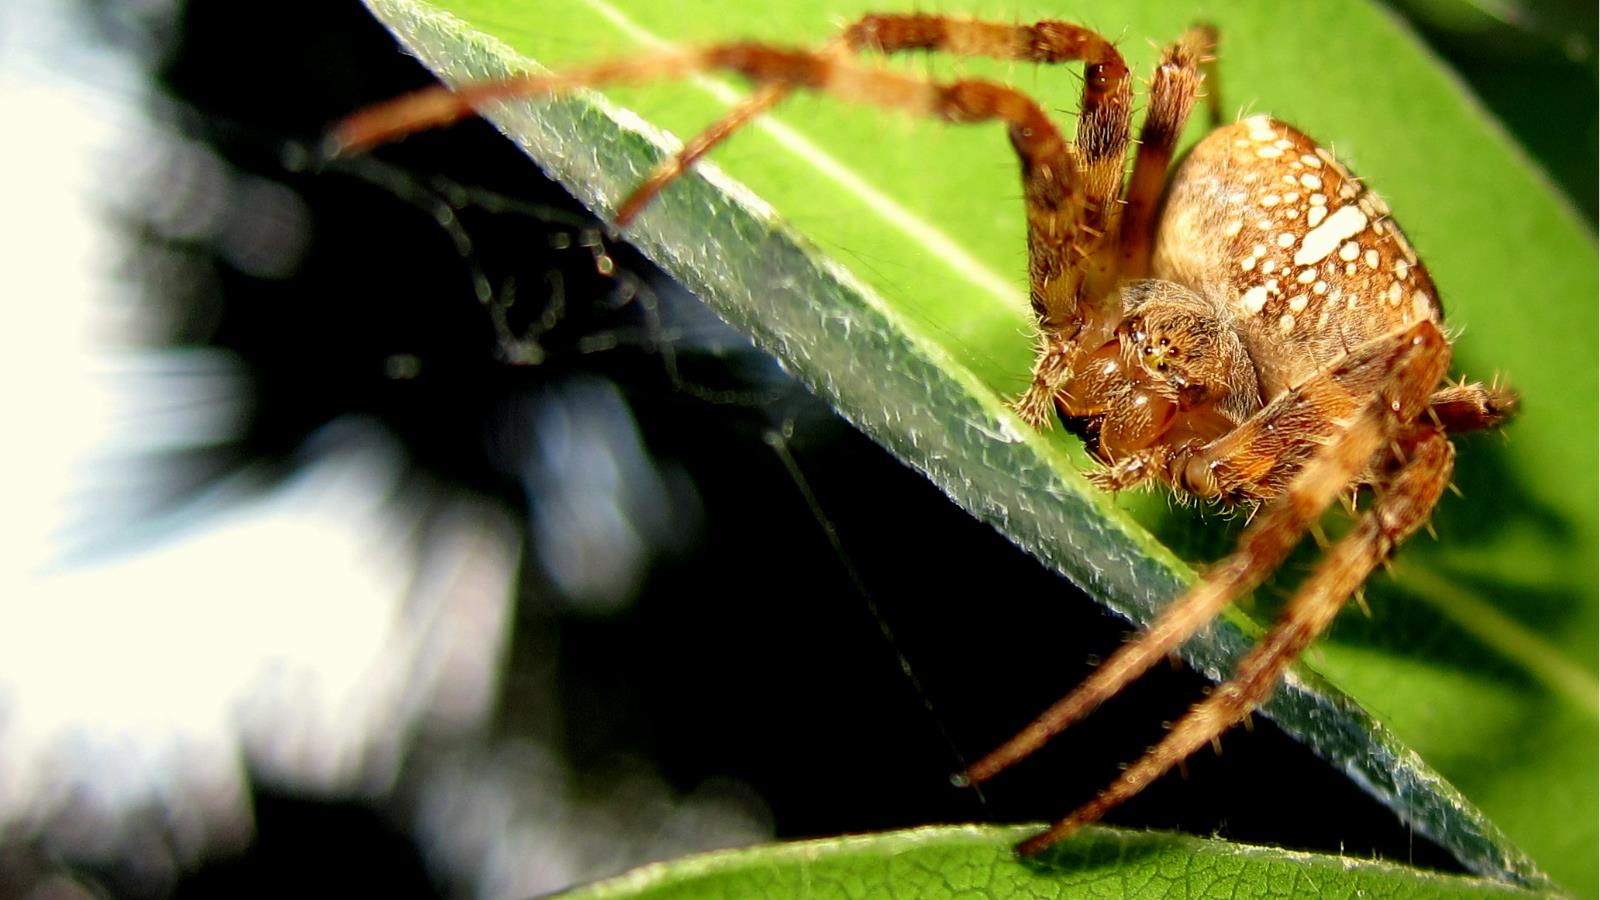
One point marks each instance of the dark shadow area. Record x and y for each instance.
(308, 847)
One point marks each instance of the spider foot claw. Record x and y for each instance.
(1125, 473)
(1035, 407)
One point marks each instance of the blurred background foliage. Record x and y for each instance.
(602, 622)
(1533, 65)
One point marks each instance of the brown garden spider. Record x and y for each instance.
(1253, 330)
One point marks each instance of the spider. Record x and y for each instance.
(1251, 329)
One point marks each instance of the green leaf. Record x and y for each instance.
(1517, 26)
(970, 862)
(883, 263)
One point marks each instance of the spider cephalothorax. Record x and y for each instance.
(1253, 329)
(1174, 372)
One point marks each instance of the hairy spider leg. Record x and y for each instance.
(1472, 407)
(1185, 64)
(1068, 191)
(1072, 264)
(1102, 133)
(438, 106)
(1051, 173)
(1071, 192)
(1406, 365)
(1411, 491)
(1072, 259)
(887, 34)
(672, 168)
(1398, 368)
(1256, 461)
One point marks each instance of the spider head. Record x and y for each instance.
(1186, 349)
(1172, 371)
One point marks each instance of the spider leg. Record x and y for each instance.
(1412, 491)
(1062, 203)
(1072, 265)
(1045, 42)
(671, 169)
(1256, 460)
(1472, 407)
(1173, 90)
(1071, 191)
(438, 106)
(1051, 171)
(1107, 92)
(1379, 384)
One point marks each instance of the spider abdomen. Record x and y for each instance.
(1266, 224)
